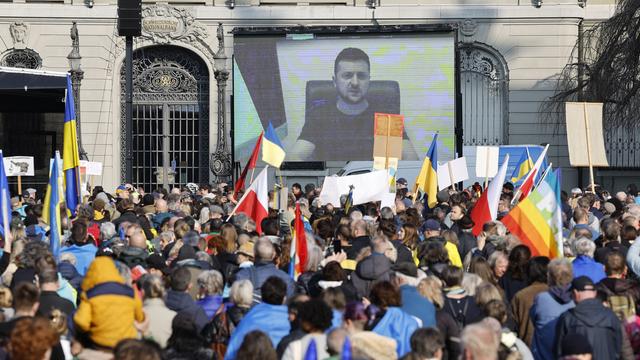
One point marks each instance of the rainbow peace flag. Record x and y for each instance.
(537, 220)
(52, 204)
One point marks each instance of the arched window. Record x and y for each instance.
(484, 84)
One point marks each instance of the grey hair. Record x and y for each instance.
(211, 282)
(495, 256)
(501, 230)
(204, 215)
(203, 256)
(314, 255)
(124, 271)
(107, 231)
(170, 236)
(481, 341)
(386, 213)
(241, 293)
(153, 287)
(355, 215)
(585, 246)
(470, 283)
(264, 249)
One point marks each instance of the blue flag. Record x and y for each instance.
(346, 349)
(312, 351)
(5, 200)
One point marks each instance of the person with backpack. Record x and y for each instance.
(461, 306)
(622, 296)
(592, 319)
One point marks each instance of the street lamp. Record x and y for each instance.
(76, 78)
(221, 158)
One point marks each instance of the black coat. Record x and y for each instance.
(597, 323)
(358, 244)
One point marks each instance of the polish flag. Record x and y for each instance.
(529, 181)
(486, 209)
(255, 201)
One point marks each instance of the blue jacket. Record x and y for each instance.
(587, 266)
(181, 302)
(84, 255)
(210, 304)
(544, 313)
(260, 272)
(633, 256)
(273, 320)
(399, 326)
(417, 305)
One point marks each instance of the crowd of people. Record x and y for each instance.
(170, 275)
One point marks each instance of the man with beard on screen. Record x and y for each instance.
(342, 128)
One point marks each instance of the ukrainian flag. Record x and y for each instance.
(70, 155)
(272, 149)
(5, 200)
(427, 180)
(52, 204)
(525, 164)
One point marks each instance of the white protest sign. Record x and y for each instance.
(487, 161)
(19, 166)
(452, 172)
(388, 200)
(93, 168)
(366, 187)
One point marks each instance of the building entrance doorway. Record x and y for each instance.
(170, 118)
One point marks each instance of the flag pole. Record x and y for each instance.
(451, 175)
(587, 129)
(252, 171)
(486, 174)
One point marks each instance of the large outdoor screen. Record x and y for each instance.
(321, 92)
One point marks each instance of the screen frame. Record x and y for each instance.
(361, 30)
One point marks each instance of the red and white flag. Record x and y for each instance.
(486, 209)
(255, 201)
(251, 164)
(529, 181)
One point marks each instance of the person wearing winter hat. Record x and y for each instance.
(590, 318)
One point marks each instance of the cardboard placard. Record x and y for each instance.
(487, 161)
(366, 187)
(19, 166)
(452, 172)
(577, 129)
(387, 135)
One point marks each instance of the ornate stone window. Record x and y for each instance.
(484, 84)
(21, 58)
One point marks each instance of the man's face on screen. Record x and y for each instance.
(352, 80)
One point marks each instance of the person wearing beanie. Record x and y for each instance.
(576, 347)
(591, 319)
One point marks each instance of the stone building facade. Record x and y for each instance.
(518, 46)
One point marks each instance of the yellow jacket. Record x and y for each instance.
(108, 307)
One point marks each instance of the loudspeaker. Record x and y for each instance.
(129, 17)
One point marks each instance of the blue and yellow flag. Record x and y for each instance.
(427, 180)
(70, 154)
(5, 200)
(525, 164)
(272, 149)
(52, 204)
